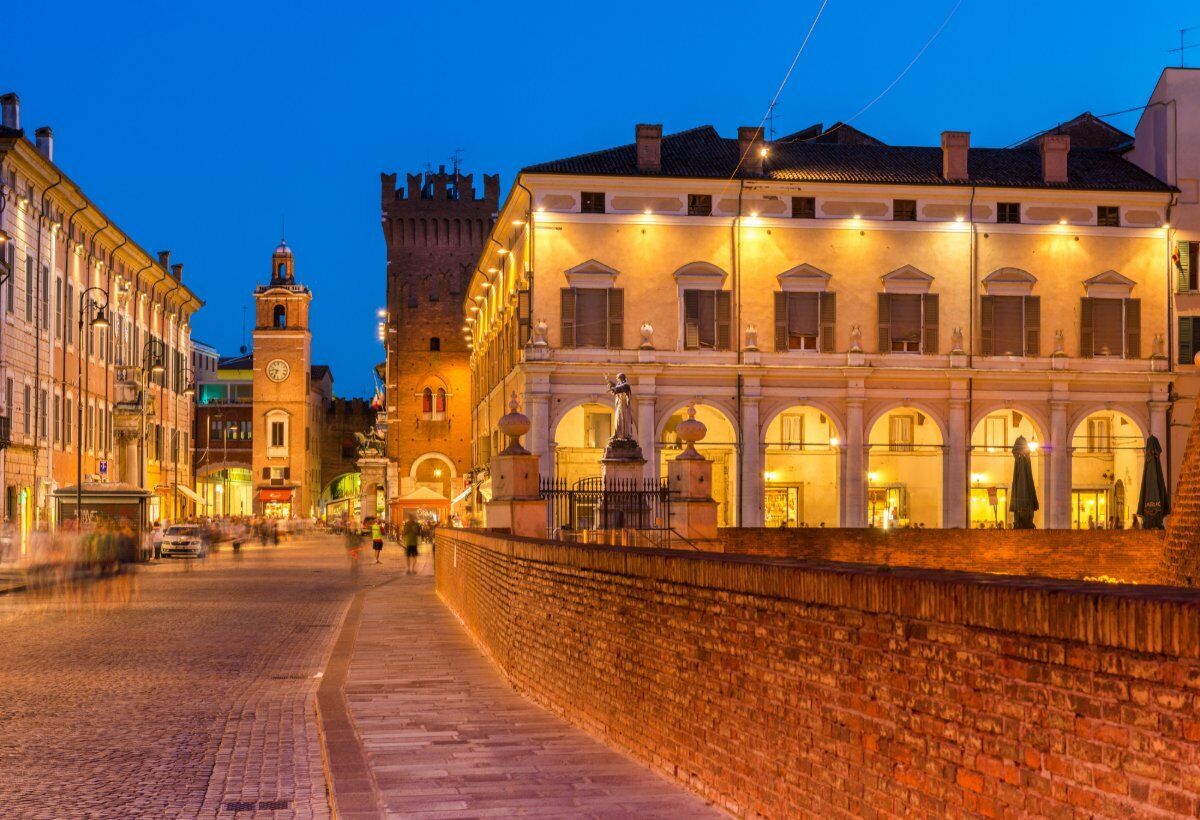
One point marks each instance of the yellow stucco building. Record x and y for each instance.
(866, 329)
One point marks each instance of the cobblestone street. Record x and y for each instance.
(178, 692)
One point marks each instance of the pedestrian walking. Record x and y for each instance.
(377, 540)
(156, 539)
(410, 536)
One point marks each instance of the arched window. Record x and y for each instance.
(440, 407)
(427, 402)
(280, 316)
(435, 343)
(282, 269)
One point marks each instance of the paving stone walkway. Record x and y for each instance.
(446, 736)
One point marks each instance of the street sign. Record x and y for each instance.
(104, 468)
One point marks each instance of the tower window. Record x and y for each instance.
(282, 269)
(280, 317)
(427, 401)
(435, 343)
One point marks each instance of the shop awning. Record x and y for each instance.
(462, 495)
(275, 495)
(190, 494)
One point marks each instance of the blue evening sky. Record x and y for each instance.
(198, 125)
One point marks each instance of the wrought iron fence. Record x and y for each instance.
(592, 504)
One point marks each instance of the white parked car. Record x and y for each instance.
(184, 540)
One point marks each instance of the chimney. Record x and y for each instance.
(750, 150)
(164, 260)
(44, 138)
(649, 148)
(177, 271)
(1055, 148)
(955, 147)
(10, 111)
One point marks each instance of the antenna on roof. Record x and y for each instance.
(456, 161)
(1183, 47)
(283, 227)
(771, 122)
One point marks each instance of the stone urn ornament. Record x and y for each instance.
(956, 340)
(539, 333)
(647, 331)
(514, 424)
(751, 336)
(856, 339)
(1060, 343)
(689, 431)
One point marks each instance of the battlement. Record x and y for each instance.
(351, 408)
(440, 187)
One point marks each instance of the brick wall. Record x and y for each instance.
(1183, 529)
(784, 690)
(1135, 556)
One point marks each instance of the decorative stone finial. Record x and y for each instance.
(514, 424)
(539, 333)
(1060, 344)
(647, 331)
(856, 339)
(956, 340)
(690, 430)
(752, 336)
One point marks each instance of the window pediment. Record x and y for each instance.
(592, 274)
(1009, 282)
(804, 278)
(1109, 285)
(907, 279)
(700, 276)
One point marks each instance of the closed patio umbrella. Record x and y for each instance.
(1022, 495)
(1153, 502)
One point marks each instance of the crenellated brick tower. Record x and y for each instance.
(435, 228)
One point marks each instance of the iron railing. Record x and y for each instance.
(592, 504)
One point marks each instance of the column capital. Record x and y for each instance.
(1160, 406)
(855, 401)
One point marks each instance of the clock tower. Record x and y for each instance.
(286, 449)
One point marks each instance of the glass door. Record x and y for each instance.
(1089, 509)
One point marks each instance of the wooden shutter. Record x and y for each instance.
(1133, 328)
(266, 472)
(929, 333)
(523, 323)
(1033, 325)
(1183, 250)
(691, 319)
(987, 325)
(781, 326)
(1087, 339)
(1187, 340)
(567, 313)
(885, 322)
(616, 317)
(724, 342)
(828, 309)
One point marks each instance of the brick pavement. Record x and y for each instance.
(173, 693)
(446, 736)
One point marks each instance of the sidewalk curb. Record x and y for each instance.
(349, 781)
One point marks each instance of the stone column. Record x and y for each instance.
(645, 427)
(1058, 499)
(750, 471)
(1158, 422)
(373, 470)
(516, 506)
(854, 495)
(538, 406)
(954, 512)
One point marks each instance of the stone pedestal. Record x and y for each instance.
(516, 506)
(623, 471)
(693, 510)
(374, 476)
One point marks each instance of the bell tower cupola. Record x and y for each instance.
(283, 265)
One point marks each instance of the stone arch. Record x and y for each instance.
(432, 454)
(778, 407)
(931, 411)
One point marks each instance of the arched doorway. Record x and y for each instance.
(904, 470)
(341, 500)
(1106, 452)
(579, 441)
(800, 469)
(428, 490)
(719, 446)
(991, 466)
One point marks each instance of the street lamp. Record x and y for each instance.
(186, 376)
(96, 305)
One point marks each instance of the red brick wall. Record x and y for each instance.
(1183, 536)
(784, 690)
(1135, 556)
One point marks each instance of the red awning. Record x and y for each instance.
(275, 495)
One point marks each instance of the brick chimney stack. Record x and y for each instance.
(177, 271)
(956, 145)
(44, 139)
(649, 148)
(750, 150)
(164, 260)
(10, 111)
(1055, 148)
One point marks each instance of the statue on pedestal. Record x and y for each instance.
(623, 444)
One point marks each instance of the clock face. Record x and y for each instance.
(278, 370)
